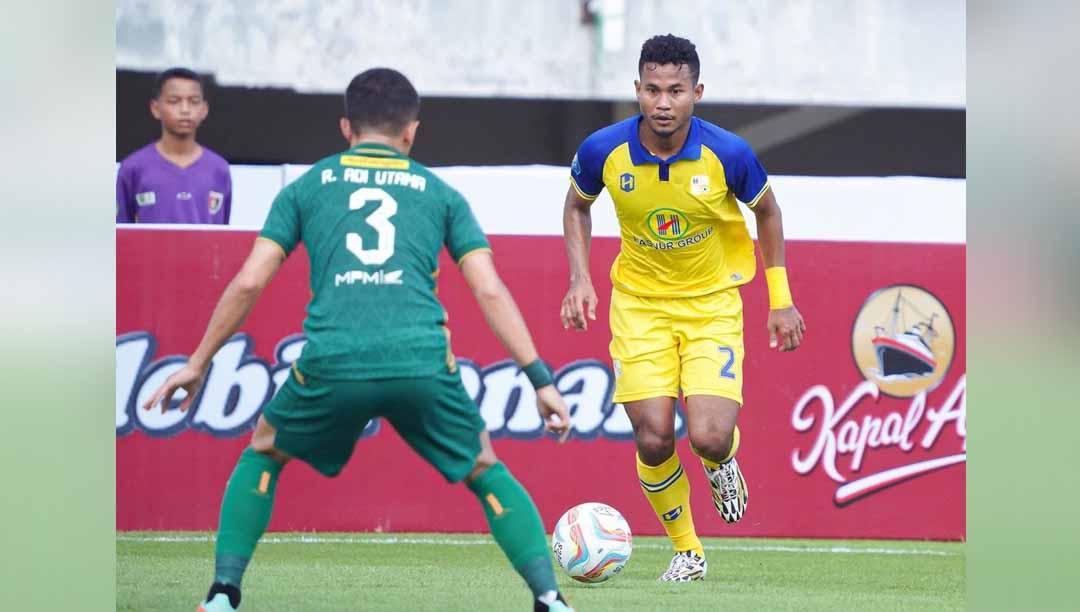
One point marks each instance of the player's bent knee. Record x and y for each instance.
(262, 443)
(713, 444)
(265, 446)
(263, 438)
(655, 449)
(282, 458)
(484, 461)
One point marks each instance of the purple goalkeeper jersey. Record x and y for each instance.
(151, 189)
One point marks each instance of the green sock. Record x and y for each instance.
(245, 513)
(516, 526)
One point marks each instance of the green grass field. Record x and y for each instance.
(312, 572)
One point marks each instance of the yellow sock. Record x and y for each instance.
(712, 465)
(668, 490)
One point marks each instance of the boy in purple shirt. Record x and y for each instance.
(175, 179)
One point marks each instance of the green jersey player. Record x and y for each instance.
(373, 222)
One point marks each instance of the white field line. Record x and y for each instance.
(317, 539)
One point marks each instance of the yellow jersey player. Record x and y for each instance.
(676, 313)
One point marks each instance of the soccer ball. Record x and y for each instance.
(592, 542)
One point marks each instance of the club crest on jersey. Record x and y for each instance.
(215, 201)
(626, 182)
(667, 223)
(699, 184)
(146, 198)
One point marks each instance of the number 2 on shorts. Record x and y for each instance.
(725, 372)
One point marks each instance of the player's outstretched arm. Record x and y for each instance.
(233, 307)
(580, 300)
(504, 318)
(786, 326)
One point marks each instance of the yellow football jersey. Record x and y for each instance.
(683, 233)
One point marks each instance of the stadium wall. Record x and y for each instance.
(833, 446)
(843, 52)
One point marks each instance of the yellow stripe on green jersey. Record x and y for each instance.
(682, 231)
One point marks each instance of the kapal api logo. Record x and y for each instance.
(903, 343)
(239, 384)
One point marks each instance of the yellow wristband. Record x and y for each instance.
(779, 292)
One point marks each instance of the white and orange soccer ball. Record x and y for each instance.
(592, 542)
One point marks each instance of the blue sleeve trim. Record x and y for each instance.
(587, 167)
(580, 192)
(745, 175)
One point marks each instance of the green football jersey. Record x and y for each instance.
(373, 222)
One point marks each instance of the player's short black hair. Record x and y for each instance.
(381, 99)
(670, 49)
(175, 73)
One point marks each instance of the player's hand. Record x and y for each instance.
(553, 409)
(786, 329)
(580, 301)
(189, 378)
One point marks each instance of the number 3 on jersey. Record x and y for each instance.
(378, 219)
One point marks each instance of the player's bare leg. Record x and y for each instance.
(714, 437)
(262, 441)
(653, 421)
(665, 485)
(245, 513)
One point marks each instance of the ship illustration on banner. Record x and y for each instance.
(905, 354)
(903, 340)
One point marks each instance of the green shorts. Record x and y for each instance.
(319, 421)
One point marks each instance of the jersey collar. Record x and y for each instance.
(691, 149)
(374, 148)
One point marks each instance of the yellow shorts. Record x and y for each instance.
(662, 345)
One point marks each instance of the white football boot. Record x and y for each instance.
(218, 603)
(685, 566)
(729, 490)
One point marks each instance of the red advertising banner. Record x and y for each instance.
(858, 434)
